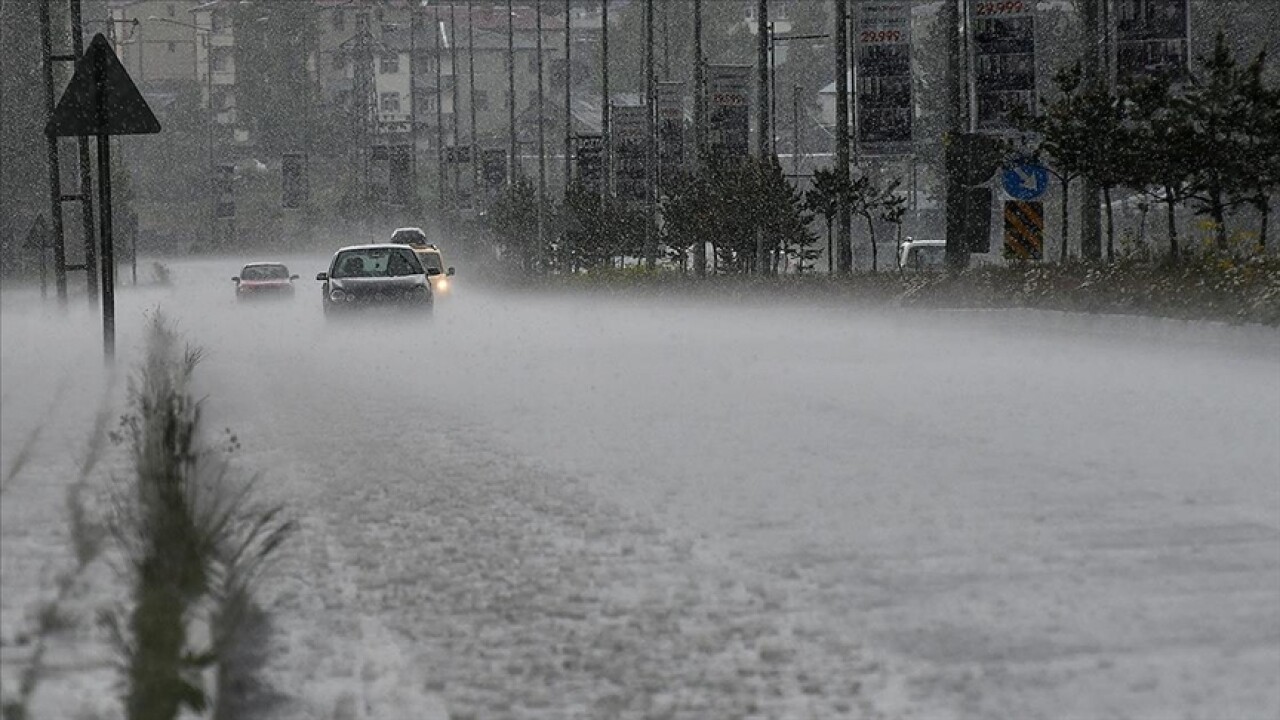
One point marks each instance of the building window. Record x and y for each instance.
(339, 61)
(389, 102)
(215, 22)
(389, 64)
(219, 56)
(389, 28)
(173, 47)
(482, 100)
(339, 20)
(171, 10)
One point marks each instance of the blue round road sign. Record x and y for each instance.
(1025, 180)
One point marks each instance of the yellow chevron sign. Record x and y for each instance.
(1023, 229)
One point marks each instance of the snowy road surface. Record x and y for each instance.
(544, 507)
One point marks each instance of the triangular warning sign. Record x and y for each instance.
(101, 99)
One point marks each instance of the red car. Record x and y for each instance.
(264, 279)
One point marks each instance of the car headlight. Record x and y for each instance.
(337, 296)
(443, 286)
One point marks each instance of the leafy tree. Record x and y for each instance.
(1261, 139)
(1165, 138)
(821, 199)
(1221, 115)
(512, 220)
(1065, 136)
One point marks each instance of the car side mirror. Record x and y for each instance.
(235, 280)
(322, 276)
(449, 271)
(293, 277)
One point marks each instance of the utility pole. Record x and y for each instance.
(471, 102)
(86, 176)
(650, 144)
(606, 181)
(843, 241)
(568, 100)
(542, 148)
(699, 118)
(55, 175)
(957, 125)
(795, 129)
(763, 110)
(453, 75)
(566, 236)
(1090, 196)
(437, 31)
(513, 170)
(413, 97)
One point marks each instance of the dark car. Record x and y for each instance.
(264, 279)
(363, 276)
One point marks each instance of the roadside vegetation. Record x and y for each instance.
(190, 539)
(195, 541)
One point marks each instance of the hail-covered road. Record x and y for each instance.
(596, 507)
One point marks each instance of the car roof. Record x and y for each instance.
(408, 229)
(264, 264)
(372, 246)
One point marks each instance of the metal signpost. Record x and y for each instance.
(101, 100)
(1004, 62)
(1023, 230)
(728, 105)
(884, 109)
(1152, 38)
(630, 129)
(591, 162)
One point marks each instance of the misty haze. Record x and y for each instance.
(407, 401)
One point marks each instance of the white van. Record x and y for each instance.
(922, 255)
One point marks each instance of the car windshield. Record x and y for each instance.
(264, 272)
(431, 261)
(376, 262)
(927, 256)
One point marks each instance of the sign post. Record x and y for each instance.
(884, 109)
(729, 110)
(1023, 230)
(101, 100)
(1004, 60)
(1152, 38)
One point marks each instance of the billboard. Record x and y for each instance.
(884, 107)
(1152, 38)
(1004, 62)
(728, 108)
(591, 162)
(630, 128)
(670, 104)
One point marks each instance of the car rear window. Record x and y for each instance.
(265, 272)
(375, 262)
